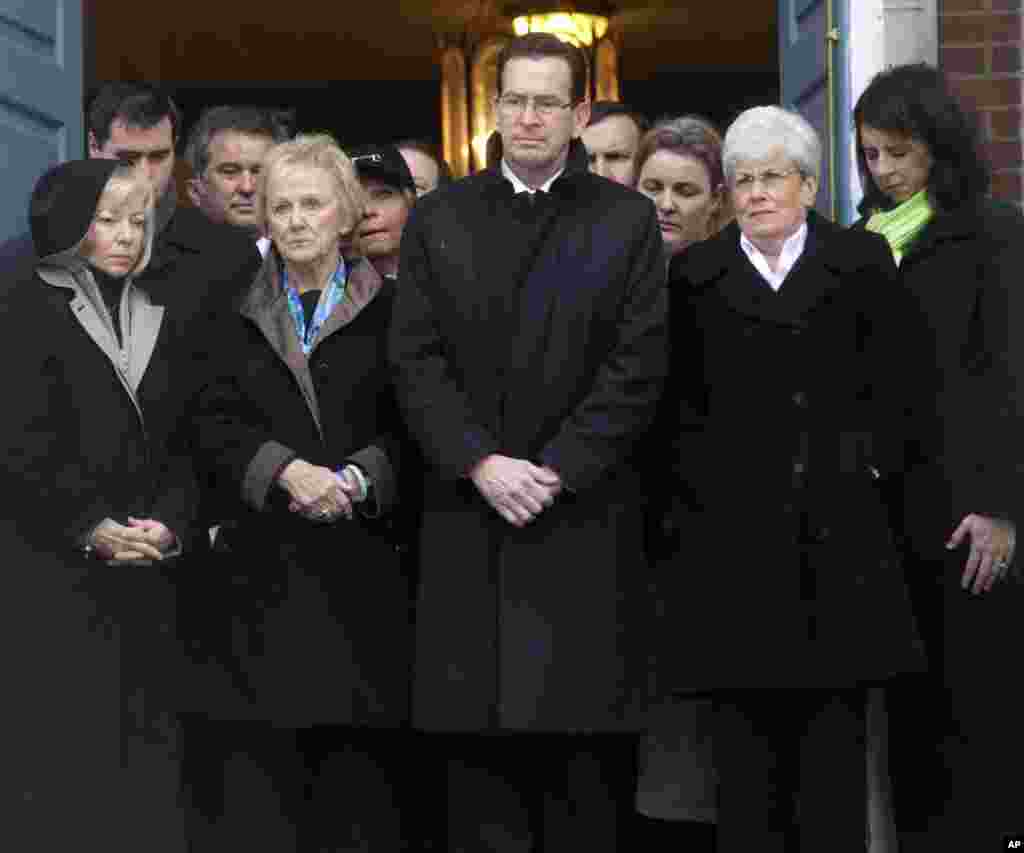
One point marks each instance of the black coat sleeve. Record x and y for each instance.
(606, 425)
(232, 433)
(989, 408)
(894, 347)
(436, 409)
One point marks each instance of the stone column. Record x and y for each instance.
(454, 109)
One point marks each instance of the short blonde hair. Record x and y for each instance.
(319, 151)
(123, 184)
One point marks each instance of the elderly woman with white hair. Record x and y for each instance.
(299, 429)
(787, 382)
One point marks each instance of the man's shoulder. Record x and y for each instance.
(189, 228)
(465, 191)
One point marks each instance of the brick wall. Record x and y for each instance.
(980, 49)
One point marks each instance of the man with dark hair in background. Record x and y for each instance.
(611, 137)
(529, 345)
(225, 150)
(140, 125)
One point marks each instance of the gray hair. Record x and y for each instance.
(760, 131)
(252, 121)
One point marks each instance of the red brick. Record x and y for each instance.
(1004, 155)
(964, 6)
(990, 92)
(1005, 57)
(963, 60)
(1008, 186)
(982, 27)
(1006, 124)
(1005, 28)
(964, 29)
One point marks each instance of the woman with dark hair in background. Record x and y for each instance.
(426, 163)
(955, 738)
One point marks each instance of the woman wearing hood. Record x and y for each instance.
(98, 505)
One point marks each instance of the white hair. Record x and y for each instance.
(759, 132)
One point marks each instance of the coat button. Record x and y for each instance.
(799, 467)
(321, 365)
(796, 331)
(800, 400)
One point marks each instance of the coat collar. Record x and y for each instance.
(964, 223)
(577, 165)
(720, 262)
(68, 271)
(715, 257)
(266, 294)
(266, 305)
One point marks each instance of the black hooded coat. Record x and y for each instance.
(87, 435)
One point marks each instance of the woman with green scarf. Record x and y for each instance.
(954, 738)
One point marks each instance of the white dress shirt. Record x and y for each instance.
(519, 187)
(263, 245)
(792, 249)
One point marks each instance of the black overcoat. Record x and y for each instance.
(964, 274)
(311, 620)
(537, 331)
(788, 404)
(87, 645)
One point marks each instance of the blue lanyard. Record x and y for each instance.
(328, 300)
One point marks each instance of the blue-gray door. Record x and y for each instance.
(40, 98)
(809, 31)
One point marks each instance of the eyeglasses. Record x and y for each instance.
(512, 106)
(772, 180)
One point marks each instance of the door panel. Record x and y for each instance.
(804, 54)
(40, 98)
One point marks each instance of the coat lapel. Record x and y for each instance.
(738, 281)
(266, 305)
(362, 285)
(146, 319)
(942, 229)
(815, 276)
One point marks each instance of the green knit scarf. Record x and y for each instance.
(902, 225)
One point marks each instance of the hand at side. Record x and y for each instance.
(992, 542)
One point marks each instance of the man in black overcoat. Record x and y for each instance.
(529, 346)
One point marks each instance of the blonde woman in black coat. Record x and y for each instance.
(299, 428)
(955, 738)
(98, 504)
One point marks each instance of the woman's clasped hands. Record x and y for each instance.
(318, 493)
(140, 542)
